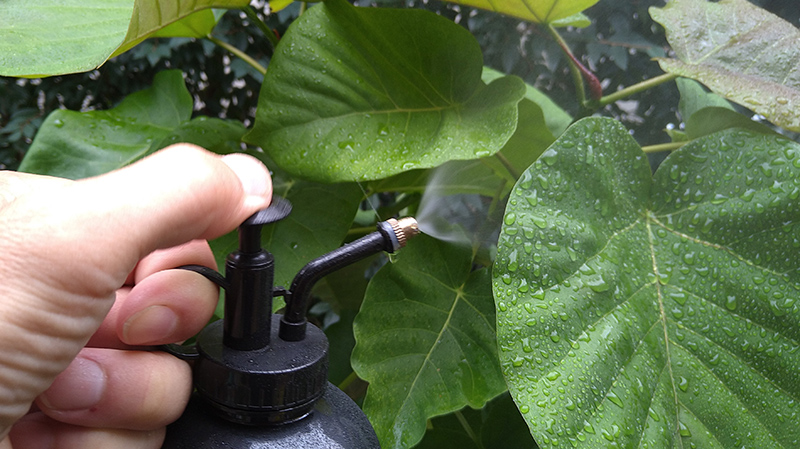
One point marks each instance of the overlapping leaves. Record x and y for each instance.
(357, 94)
(654, 311)
(739, 51)
(75, 145)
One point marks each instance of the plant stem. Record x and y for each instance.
(240, 54)
(636, 88)
(467, 427)
(577, 78)
(511, 170)
(348, 380)
(663, 147)
(268, 33)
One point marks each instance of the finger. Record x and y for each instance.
(135, 390)
(166, 307)
(196, 252)
(67, 250)
(39, 431)
(192, 299)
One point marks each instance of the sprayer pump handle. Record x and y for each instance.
(278, 209)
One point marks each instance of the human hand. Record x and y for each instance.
(67, 250)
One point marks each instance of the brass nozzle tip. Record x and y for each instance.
(404, 228)
(409, 226)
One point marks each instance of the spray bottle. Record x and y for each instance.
(261, 378)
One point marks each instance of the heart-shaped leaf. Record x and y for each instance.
(739, 51)
(51, 37)
(74, 145)
(556, 12)
(365, 93)
(425, 340)
(654, 311)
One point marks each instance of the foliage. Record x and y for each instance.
(630, 309)
(649, 309)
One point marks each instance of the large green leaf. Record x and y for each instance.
(654, 311)
(557, 12)
(739, 51)
(425, 340)
(76, 145)
(365, 93)
(50, 37)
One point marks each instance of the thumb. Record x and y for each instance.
(66, 250)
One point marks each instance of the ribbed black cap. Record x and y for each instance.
(272, 385)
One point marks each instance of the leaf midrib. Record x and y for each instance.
(426, 360)
(663, 320)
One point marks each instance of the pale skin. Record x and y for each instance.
(87, 285)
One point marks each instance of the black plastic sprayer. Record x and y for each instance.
(261, 378)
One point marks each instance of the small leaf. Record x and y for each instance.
(739, 51)
(556, 12)
(579, 20)
(714, 119)
(277, 5)
(425, 340)
(196, 25)
(356, 94)
(76, 145)
(51, 37)
(695, 97)
(654, 311)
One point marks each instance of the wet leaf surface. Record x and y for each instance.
(74, 145)
(739, 51)
(425, 340)
(356, 94)
(654, 311)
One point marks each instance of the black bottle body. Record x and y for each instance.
(335, 422)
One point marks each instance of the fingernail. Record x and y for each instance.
(79, 387)
(253, 175)
(149, 326)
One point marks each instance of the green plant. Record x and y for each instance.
(630, 309)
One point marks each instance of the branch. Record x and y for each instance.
(636, 88)
(240, 54)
